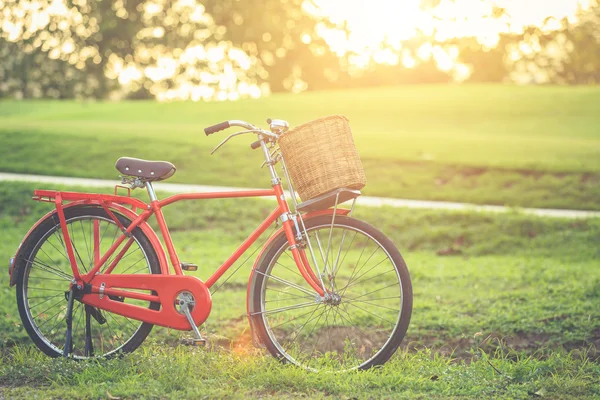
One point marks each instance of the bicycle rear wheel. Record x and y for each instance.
(363, 319)
(44, 275)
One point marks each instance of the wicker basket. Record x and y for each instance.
(321, 156)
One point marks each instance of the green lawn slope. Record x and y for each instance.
(492, 144)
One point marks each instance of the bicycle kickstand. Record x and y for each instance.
(89, 344)
(69, 318)
(187, 305)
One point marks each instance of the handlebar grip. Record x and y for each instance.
(216, 128)
(255, 145)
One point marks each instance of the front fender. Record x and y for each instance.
(145, 227)
(275, 236)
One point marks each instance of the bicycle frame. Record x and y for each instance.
(99, 288)
(155, 208)
(140, 212)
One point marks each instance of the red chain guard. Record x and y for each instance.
(166, 288)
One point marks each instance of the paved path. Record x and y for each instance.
(362, 200)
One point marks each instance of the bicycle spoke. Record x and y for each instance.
(278, 310)
(286, 298)
(369, 312)
(52, 306)
(359, 258)
(112, 335)
(315, 348)
(296, 319)
(337, 259)
(349, 248)
(130, 253)
(117, 322)
(350, 322)
(115, 253)
(325, 262)
(137, 271)
(45, 301)
(326, 324)
(375, 291)
(50, 319)
(42, 297)
(49, 269)
(56, 234)
(296, 272)
(369, 302)
(357, 281)
(312, 330)
(378, 298)
(298, 333)
(290, 284)
(102, 235)
(86, 243)
(131, 266)
(360, 269)
(337, 312)
(51, 259)
(78, 256)
(135, 327)
(46, 279)
(40, 288)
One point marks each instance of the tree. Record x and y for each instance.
(271, 41)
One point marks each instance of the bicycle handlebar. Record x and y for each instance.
(279, 125)
(216, 128)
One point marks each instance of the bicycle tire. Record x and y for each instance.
(272, 340)
(52, 276)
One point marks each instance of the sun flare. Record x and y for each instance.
(378, 25)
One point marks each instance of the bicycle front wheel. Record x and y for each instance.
(365, 314)
(44, 276)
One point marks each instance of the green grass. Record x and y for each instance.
(486, 144)
(505, 306)
(183, 373)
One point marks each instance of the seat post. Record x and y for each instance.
(151, 192)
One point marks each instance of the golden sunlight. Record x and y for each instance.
(378, 24)
(383, 32)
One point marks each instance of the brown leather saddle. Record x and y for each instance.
(146, 170)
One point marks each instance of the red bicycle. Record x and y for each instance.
(327, 291)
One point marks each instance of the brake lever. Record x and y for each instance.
(229, 137)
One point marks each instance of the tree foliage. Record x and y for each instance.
(222, 48)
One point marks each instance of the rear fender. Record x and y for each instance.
(266, 247)
(118, 208)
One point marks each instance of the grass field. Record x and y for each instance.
(505, 306)
(492, 144)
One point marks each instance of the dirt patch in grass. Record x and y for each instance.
(535, 344)
(538, 345)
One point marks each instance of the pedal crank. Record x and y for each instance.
(186, 305)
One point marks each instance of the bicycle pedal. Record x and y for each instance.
(193, 342)
(189, 267)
